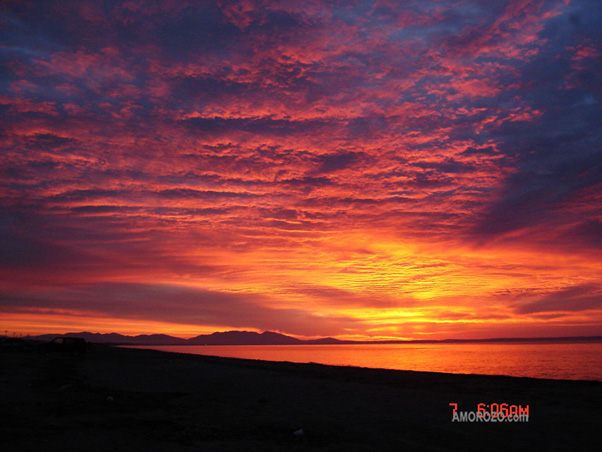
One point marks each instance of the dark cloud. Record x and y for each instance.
(307, 183)
(23, 251)
(447, 166)
(182, 193)
(103, 209)
(278, 127)
(430, 179)
(557, 154)
(161, 137)
(195, 90)
(174, 304)
(331, 296)
(535, 194)
(87, 194)
(335, 162)
(194, 31)
(573, 299)
(487, 150)
(588, 232)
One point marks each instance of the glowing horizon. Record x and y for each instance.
(360, 170)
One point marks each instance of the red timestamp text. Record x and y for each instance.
(492, 412)
(503, 409)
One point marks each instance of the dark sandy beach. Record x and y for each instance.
(113, 399)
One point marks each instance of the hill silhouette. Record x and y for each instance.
(219, 338)
(273, 338)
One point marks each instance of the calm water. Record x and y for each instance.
(577, 361)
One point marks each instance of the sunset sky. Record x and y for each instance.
(357, 169)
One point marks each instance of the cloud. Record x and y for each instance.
(332, 297)
(176, 305)
(231, 145)
(537, 192)
(487, 150)
(335, 162)
(572, 299)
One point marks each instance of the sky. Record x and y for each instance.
(355, 169)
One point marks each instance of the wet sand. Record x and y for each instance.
(114, 399)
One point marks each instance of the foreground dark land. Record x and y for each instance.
(143, 400)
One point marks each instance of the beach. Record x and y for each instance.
(123, 399)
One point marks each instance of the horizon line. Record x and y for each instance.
(343, 341)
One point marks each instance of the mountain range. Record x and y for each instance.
(272, 338)
(222, 338)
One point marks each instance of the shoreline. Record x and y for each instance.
(314, 366)
(543, 373)
(144, 399)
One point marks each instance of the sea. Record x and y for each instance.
(562, 361)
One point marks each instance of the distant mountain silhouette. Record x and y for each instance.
(272, 338)
(223, 338)
(114, 338)
(327, 340)
(244, 338)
